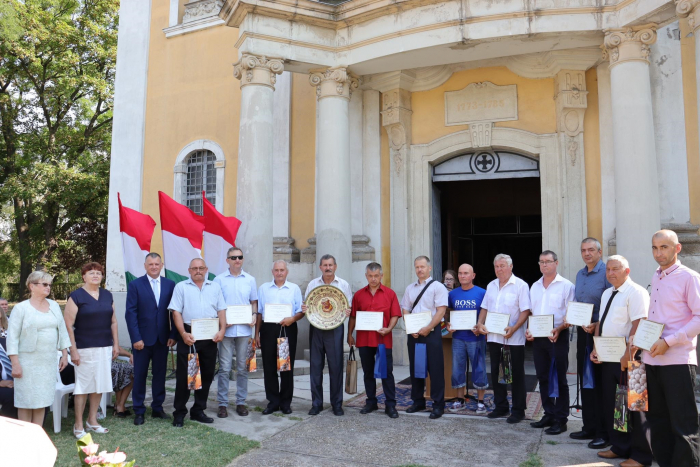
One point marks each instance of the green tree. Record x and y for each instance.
(56, 96)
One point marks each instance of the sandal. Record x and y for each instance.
(96, 428)
(78, 433)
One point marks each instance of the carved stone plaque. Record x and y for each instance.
(481, 102)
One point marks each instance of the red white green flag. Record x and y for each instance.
(136, 231)
(182, 237)
(219, 235)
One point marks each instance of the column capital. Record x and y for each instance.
(691, 10)
(257, 70)
(629, 44)
(334, 82)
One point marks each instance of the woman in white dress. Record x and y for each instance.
(35, 332)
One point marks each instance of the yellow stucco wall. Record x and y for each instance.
(591, 151)
(690, 101)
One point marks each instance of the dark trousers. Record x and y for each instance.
(207, 351)
(279, 393)
(326, 345)
(500, 391)
(158, 355)
(673, 415)
(543, 353)
(591, 399)
(634, 444)
(367, 357)
(7, 402)
(436, 369)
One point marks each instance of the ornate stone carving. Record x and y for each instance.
(571, 100)
(691, 10)
(396, 118)
(629, 44)
(481, 134)
(198, 9)
(258, 70)
(572, 150)
(334, 82)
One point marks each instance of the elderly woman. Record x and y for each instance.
(449, 279)
(36, 331)
(92, 327)
(122, 382)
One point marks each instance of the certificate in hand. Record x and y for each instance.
(204, 329)
(610, 349)
(369, 320)
(541, 325)
(239, 314)
(579, 314)
(462, 320)
(497, 322)
(648, 332)
(276, 312)
(416, 321)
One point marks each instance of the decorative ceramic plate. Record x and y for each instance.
(326, 307)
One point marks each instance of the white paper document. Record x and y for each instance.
(416, 321)
(239, 314)
(462, 320)
(610, 349)
(579, 314)
(369, 320)
(497, 322)
(541, 325)
(204, 329)
(648, 332)
(276, 312)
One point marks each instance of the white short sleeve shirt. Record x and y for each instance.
(631, 303)
(513, 298)
(553, 300)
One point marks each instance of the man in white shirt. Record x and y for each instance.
(623, 305)
(550, 295)
(327, 344)
(427, 295)
(509, 295)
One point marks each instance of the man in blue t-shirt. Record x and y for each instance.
(465, 343)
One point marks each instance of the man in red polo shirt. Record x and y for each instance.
(376, 297)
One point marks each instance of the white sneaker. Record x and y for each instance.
(480, 408)
(456, 406)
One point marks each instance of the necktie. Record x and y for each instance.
(6, 363)
(156, 289)
(607, 307)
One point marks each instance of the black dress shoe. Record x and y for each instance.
(315, 410)
(369, 409)
(286, 410)
(436, 413)
(497, 414)
(415, 408)
(391, 412)
(201, 418)
(160, 414)
(581, 435)
(544, 421)
(138, 419)
(556, 429)
(338, 411)
(599, 443)
(269, 410)
(515, 418)
(178, 423)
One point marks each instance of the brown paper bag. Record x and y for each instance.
(351, 373)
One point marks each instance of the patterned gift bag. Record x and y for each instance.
(621, 414)
(637, 396)
(251, 362)
(505, 374)
(194, 376)
(284, 363)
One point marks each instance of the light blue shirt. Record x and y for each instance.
(238, 290)
(194, 303)
(269, 293)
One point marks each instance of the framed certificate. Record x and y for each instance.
(579, 314)
(276, 312)
(610, 349)
(239, 314)
(541, 325)
(648, 332)
(416, 321)
(462, 320)
(497, 322)
(369, 320)
(204, 329)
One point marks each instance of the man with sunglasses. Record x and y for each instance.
(239, 288)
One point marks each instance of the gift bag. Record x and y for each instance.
(621, 414)
(479, 377)
(251, 363)
(553, 380)
(351, 373)
(284, 362)
(588, 378)
(420, 362)
(637, 396)
(380, 362)
(505, 375)
(194, 376)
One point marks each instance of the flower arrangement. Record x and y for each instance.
(87, 450)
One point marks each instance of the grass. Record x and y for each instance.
(533, 461)
(553, 443)
(157, 443)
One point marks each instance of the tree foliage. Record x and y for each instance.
(56, 96)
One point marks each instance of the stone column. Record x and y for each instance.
(691, 10)
(636, 184)
(254, 186)
(334, 87)
(371, 171)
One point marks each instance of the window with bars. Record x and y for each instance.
(201, 175)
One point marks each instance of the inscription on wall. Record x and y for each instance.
(481, 102)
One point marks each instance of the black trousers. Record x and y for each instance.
(279, 393)
(156, 356)
(634, 444)
(367, 357)
(207, 351)
(500, 391)
(591, 399)
(326, 345)
(673, 415)
(436, 369)
(543, 353)
(7, 402)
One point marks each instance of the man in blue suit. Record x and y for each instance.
(151, 332)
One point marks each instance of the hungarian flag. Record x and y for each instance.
(182, 237)
(136, 230)
(219, 235)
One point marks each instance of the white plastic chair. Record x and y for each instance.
(60, 401)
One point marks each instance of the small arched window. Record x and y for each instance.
(201, 176)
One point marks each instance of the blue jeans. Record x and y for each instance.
(226, 348)
(460, 351)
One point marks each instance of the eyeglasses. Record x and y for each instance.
(201, 268)
(45, 284)
(545, 263)
(235, 257)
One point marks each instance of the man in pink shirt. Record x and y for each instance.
(672, 361)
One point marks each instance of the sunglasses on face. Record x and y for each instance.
(235, 257)
(45, 284)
